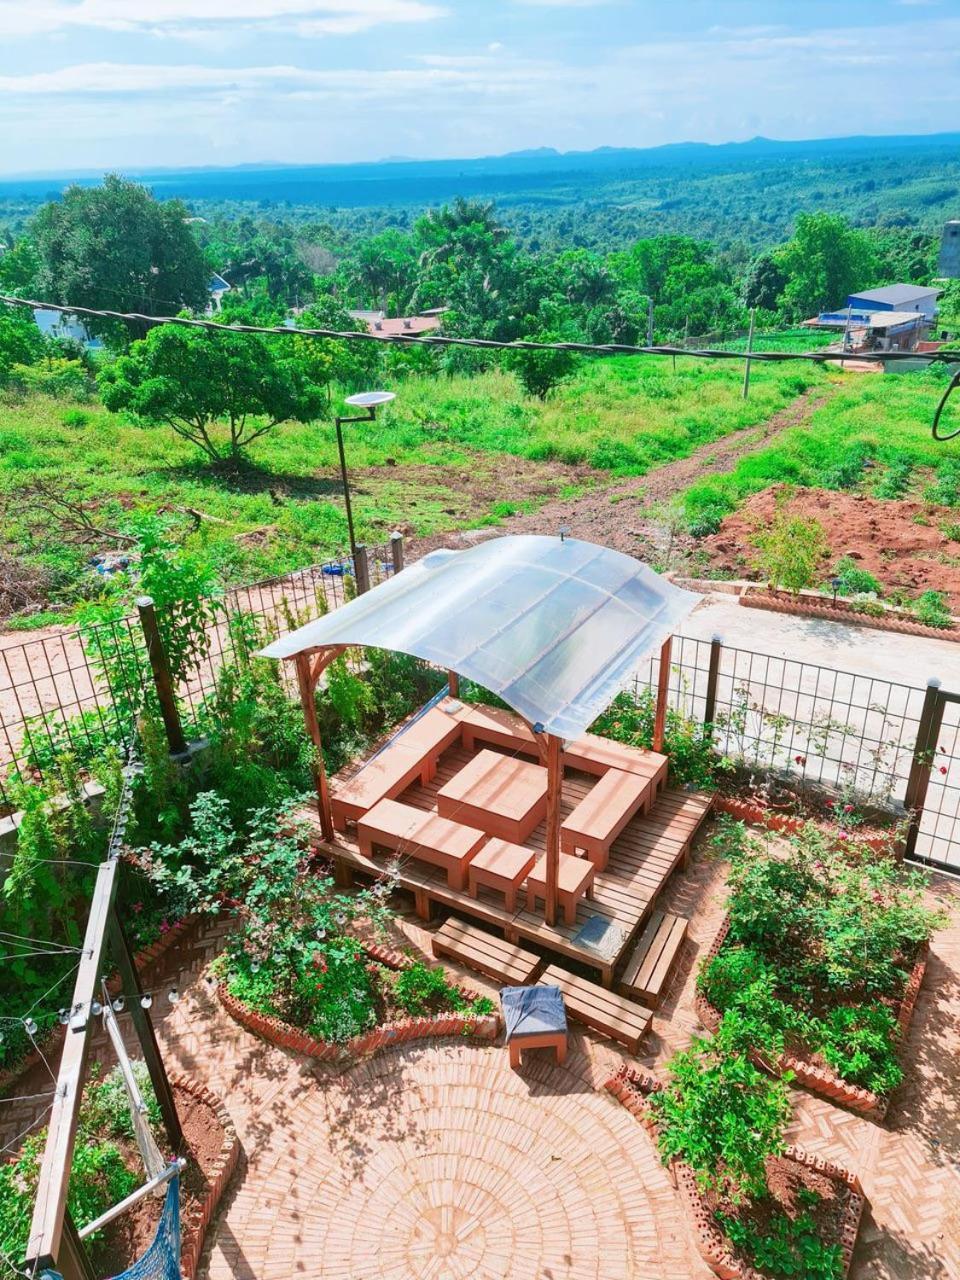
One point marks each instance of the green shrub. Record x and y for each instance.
(853, 580)
(896, 479)
(933, 610)
(75, 418)
(789, 550)
(860, 1043)
(62, 379)
(630, 719)
(420, 989)
(791, 1247)
(722, 1116)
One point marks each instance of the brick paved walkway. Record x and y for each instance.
(435, 1160)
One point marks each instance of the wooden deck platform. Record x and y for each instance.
(641, 859)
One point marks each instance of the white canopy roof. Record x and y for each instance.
(555, 627)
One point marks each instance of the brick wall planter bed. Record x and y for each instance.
(631, 1088)
(198, 1214)
(816, 1078)
(757, 815)
(813, 606)
(480, 1026)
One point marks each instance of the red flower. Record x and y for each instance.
(800, 759)
(848, 808)
(943, 769)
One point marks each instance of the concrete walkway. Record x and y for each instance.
(864, 651)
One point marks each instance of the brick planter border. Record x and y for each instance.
(51, 1042)
(630, 1087)
(822, 1080)
(482, 1026)
(194, 1225)
(756, 815)
(842, 612)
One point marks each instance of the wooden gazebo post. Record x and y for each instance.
(307, 676)
(554, 795)
(663, 684)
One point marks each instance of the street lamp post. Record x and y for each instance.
(370, 401)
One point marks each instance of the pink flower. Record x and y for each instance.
(164, 927)
(138, 907)
(842, 835)
(848, 808)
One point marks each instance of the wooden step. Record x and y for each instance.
(650, 962)
(479, 950)
(606, 1012)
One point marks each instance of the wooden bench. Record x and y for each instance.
(603, 813)
(606, 1012)
(591, 753)
(417, 833)
(649, 964)
(494, 725)
(473, 947)
(411, 757)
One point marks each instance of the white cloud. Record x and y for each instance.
(160, 17)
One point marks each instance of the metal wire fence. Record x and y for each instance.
(56, 698)
(809, 725)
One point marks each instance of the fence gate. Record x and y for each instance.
(933, 791)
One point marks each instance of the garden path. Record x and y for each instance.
(435, 1160)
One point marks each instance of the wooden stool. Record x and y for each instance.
(535, 1019)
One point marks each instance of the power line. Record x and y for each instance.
(487, 344)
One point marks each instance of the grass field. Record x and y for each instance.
(873, 435)
(450, 452)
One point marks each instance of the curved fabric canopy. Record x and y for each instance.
(556, 627)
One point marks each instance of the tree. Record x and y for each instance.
(19, 268)
(764, 282)
(21, 342)
(790, 548)
(220, 391)
(114, 247)
(826, 260)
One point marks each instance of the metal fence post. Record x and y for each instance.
(361, 569)
(396, 550)
(161, 676)
(713, 675)
(931, 718)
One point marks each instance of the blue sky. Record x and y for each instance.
(127, 83)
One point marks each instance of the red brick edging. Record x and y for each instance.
(840, 612)
(194, 1224)
(756, 815)
(630, 1086)
(51, 1041)
(482, 1026)
(822, 1080)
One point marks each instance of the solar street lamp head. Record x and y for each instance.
(370, 399)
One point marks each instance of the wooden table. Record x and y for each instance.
(502, 796)
(415, 833)
(574, 881)
(502, 866)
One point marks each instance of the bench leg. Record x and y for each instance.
(455, 879)
(514, 1048)
(685, 857)
(342, 874)
(561, 1051)
(421, 902)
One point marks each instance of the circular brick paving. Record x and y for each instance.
(439, 1162)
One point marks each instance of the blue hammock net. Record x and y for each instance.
(162, 1260)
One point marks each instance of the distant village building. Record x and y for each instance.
(376, 322)
(216, 289)
(60, 324)
(949, 267)
(895, 317)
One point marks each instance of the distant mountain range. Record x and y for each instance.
(397, 180)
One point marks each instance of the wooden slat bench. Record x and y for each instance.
(606, 1012)
(411, 757)
(649, 964)
(420, 834)
(591, 753)
(473, 947)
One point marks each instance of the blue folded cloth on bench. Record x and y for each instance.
(532, 1011)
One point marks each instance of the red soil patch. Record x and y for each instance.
(883, 537)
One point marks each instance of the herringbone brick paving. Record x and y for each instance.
(435, 1160)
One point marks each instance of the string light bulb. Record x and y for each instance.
(118, 1004)
(173, 995)
(146, 1000)
(30, 1026)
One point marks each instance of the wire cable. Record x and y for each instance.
(951, 388)
(488, 344)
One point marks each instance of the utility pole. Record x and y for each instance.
(649, 320)
(746, 371)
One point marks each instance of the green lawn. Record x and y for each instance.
(437, 459)
(883, 420)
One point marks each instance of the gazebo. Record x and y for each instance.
(555, 627)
